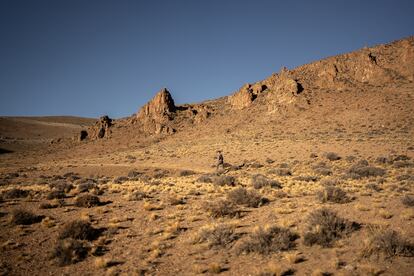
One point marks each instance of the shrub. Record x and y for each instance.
(137, 196)
(79, 230)
(268, 240)
(306, 178)
(15, 193)
(222, 208)
(323, 171)
(206, 178)
(223, 180)
(401, 157)
(70, 251)
(186, 173)
(47, 206)
(373, 186)
(382, 160)
(22, 217)
(245, 197)
(324, 227)
(281, 171)
(218, 235)
(387, 243)
(359, 171)
(402, 164)
(61, 186)
(330, 181)
(86, 186)
(332, 194)
(120, 179)
(87, 201)
(56, 194)
(408, 200)
(332, 156)
(134, 174)
(259, 181)
(404, 177)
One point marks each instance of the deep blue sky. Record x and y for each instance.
(88, 58)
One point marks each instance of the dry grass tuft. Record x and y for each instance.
(222, 208)
(87, 201)
(56, 194)
(268, 240)
(79, 230)
(332, 194)
(136, 196)
(15, 193)
(361, 170)
(387, 243)
(324, 227)
(224, 180)
(245, 197)
(259, 181)
(408, 200)
(70, 251)
(217, 235)
(23, 217)
(332, 156)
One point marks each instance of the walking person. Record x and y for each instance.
(220, 160)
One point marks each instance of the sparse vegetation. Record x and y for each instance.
(268, 240)
(79, 230)
(246, 197)
(358, 171)
(386, 243)
(408, 200)
(185, 173)
(259, 181)
(137, 196)
(70, 251)
(324, 227)
(56, 194)
(330, 181)
(306, 178)
(374, 187)
(61, 186)
(332, 156)
(86, 187)
(222, 208)
(15, 193)
(332, 194)
(23, 217)
(87, 201)
(205, 178)
(224, 180)
(47, 205)
(281, 171)
(217, 235)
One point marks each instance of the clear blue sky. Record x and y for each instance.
(89, 58)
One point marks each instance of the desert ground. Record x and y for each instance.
(317, 179)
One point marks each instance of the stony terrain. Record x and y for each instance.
(318, 179)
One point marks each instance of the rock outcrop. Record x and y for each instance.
(242, 98)
(101, 129)
(155, 116)
(160, 107)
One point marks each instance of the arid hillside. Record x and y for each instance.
(317, 179)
